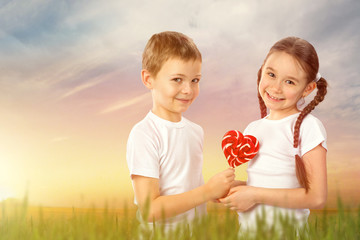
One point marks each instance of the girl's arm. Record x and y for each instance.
(242, 198)
(238, 183)
(156, 207)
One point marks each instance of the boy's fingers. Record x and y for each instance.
(230, 180)
(229, 175)
(230, 172)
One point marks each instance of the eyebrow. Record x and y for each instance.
(183, 75)
(270, 68)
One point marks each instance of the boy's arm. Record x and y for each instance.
(243, 198)
(147, 191)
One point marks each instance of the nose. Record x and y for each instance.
(186, 88)
(276, 85)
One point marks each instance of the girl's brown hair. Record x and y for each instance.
(307, 57)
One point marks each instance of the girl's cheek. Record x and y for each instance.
(261, 85)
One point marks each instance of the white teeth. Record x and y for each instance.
(275, 98)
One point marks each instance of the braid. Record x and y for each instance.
(305, 54)
(300, 167)
(263, 109)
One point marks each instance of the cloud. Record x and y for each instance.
(67, 46)
(81, 88)
(87, 54)
(47, 42)
(127, 103)
(90, 81)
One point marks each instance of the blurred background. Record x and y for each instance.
(71, 89)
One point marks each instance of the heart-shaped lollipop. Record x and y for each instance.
(239, 149)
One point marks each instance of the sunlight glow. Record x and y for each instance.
(4, 194)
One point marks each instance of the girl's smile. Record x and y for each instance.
(271, 97)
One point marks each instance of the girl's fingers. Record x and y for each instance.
(233, 190)
(226, 201)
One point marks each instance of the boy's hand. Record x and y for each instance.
(219, 185)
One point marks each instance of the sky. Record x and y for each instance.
(71, 89)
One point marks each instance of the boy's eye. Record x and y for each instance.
(177, 79)
(196, 80)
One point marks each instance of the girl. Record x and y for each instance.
(288, 175)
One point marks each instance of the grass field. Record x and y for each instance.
(19, 221)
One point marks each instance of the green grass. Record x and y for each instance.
(19, 221)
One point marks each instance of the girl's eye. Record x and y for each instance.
(271, 74)
(196, 80)
(289, 82)
(177, 79)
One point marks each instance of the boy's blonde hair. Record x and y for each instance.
(165, 45)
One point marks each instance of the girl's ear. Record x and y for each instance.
(309, 88)
(147, 79)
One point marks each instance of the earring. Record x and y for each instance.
(301, 101)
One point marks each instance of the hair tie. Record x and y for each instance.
(317, 78)
(296, 151)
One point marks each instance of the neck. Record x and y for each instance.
(169, 116)
(275, 115)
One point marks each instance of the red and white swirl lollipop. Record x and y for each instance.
(239, 149)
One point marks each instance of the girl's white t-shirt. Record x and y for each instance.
(274, 165)
(171, 152)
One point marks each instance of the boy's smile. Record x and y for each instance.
(174, 88)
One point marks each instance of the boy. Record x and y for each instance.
(164, 150)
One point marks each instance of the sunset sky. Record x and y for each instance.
(71, 88)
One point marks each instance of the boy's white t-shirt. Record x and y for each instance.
(274, 165)
(171, 152)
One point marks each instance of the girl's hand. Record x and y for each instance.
(240, 198)
(234, 184)
(238, 183)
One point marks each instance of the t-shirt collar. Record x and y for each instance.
(165, 122)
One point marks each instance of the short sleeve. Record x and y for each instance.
(142, 154)
(250, 128)
(312, 133)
